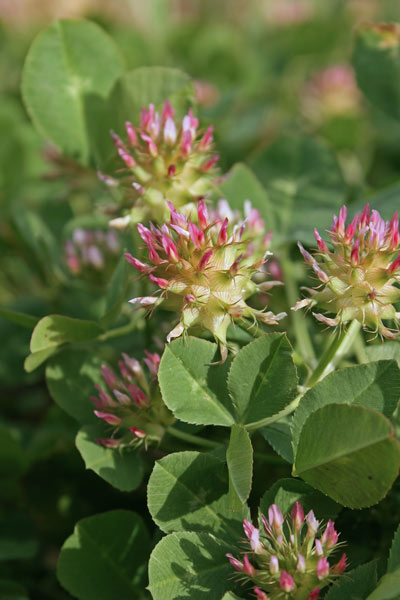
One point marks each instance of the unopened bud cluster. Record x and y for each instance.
(358, 276)
(91, 251)
(290, 559)
(130, 402)
(204, 270)
(163, 159)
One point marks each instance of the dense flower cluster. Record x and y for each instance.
(204, 270)
(287, 560)
(164, 159)
(131, 403)
(91, 250)
(359, 274)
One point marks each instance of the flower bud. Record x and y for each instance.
(297, 516)
(322, 568)
(286, 582)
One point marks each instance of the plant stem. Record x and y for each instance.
(339, 346)
(192, 439)
(298, 321)
(119, 331)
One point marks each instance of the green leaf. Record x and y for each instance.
(340, 444)
(190, 566)
(71, 377)
(239, 456)
(241, 184)
(374, 385)
(388, 350)
(356, 584)
(9, 590)
(181, 497)
(285, 492)
(262, 379)
(304, 185)
(279, 437)
(191, 386)
(121, 468)
(394, 556)
(138, 88)
(55, 330)
(376, 60)
(105, 557)
(68, 61)
(19, 318)
(34, 360)
(116, 292)
(388, 587)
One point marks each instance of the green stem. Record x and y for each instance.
(298, 321)
(339, 346)
(359, 349)
(192, 439)
(119, 331)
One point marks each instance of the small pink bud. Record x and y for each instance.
(132, 364)
(138, 396)
(145, 234)
(152, 361)
(312, 523)
(207, 138)
(354, 256)
(138, 432)
(167, 111)
(151, 146)
(253, 536)
(108, 417)
(117, 140)
(318, 548)
(394, 265)
(104, 397)
(109, 377)
(132, 137)
(275, 518)
(322, 568)
(351, 229)
(236, 564)
(108, 442)
(260, 594)
(364, 218)
(202, 214)
(341, 221)
(170, 132)
(314, 595)
(122, 398)
(206, 166)
(274, 565)
(248, 567)
(233, 269)
(196, 235)
(297, 516)
(330, 536)
(143, 302)
(223, 233)
(127, 158)
(321, 244)
(171, 170)
(137, 264)
(204, 260)
(186, 142)
(170, 248)
(286, 582)
(301, 563)
(266, 525)
(306, 255)
(340, 566)
(162, 283)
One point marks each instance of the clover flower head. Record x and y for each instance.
(91, 250)
(204, 270)
(289, 559)
(358, 276)
(130, 402)
(330, 93)
(163, 159)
